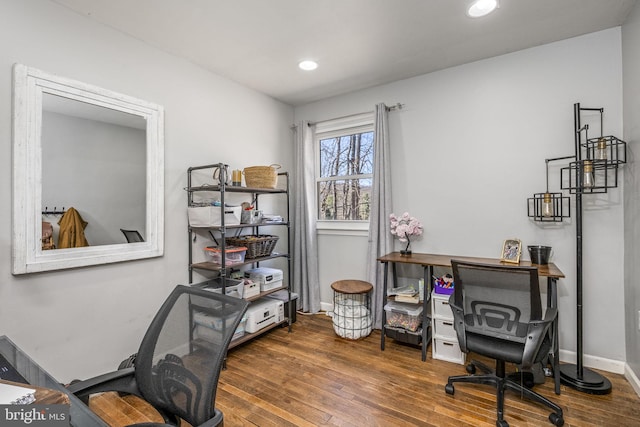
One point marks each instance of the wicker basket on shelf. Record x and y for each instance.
(259, 245)
(261, 176)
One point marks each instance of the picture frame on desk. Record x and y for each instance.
(511, 251)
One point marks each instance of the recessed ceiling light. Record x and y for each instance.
(481, 8)
(308, 65)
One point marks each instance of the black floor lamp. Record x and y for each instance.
(594, 170)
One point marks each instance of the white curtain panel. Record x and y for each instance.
(380, 240)
(306, 279)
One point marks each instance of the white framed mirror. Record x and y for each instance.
(99, 152)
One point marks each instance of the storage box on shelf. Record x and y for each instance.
(406, 314)
(403, 315)
(405, 322)
(232, 254)
(232, 287)
(209, 216)
(251, 288)
(444, 345)
(210, 327)
(402, 335)
(268, 278)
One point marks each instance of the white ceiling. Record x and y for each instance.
(357, 43)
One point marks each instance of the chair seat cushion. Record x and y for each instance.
(500, 349)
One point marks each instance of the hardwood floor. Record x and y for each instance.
(311, 377)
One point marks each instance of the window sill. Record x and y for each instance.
(343, 228)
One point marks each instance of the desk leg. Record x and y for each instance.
(384, 313)
(427, 271)
(552, 301)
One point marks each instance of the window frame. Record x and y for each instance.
(357, 123)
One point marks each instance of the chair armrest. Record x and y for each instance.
(535, 336)
(122, 380)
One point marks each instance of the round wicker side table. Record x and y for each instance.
(352, 308)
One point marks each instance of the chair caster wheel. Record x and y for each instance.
(450, 390)
(471, 368)
(502, 423)
(556, 420)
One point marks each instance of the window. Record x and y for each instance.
(345, 172)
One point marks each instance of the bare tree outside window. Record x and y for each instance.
(346, 171)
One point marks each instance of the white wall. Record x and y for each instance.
(631, 73)
(82, 322)
(469, 148)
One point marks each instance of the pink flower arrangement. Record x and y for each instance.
(405, 226)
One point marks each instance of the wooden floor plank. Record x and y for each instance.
(311, 377)
(325, 380)
(120, 412)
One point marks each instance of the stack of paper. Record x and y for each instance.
(405, 294)
(16, 395)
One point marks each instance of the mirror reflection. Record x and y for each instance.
(94, 161)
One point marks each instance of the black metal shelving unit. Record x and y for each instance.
(221, 270)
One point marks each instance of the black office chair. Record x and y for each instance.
(132, 236)
(178, 364)
(498, 314)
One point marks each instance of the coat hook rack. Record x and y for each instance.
(55, 211)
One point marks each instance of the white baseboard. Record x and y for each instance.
(632, 378)
(326, 306)
(595, 362)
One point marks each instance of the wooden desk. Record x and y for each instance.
(80, 415)
(429, 261)
(437, 260)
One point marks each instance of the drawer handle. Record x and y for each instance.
(447, 323)
(448, 343)
(444, 302)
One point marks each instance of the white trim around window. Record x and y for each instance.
(343, 228)
(356, 123)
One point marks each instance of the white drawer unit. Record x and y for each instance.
(445, 328)
(444, 344)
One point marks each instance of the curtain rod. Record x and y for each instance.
(396, 106)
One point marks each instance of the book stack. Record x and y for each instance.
(407, 293)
